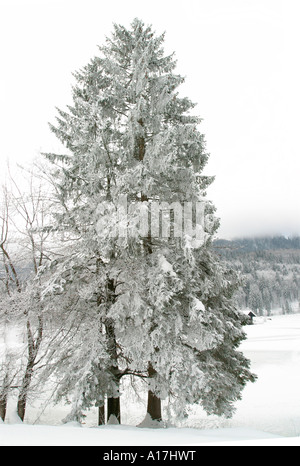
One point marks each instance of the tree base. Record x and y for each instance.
(113, 421)
(149, 423)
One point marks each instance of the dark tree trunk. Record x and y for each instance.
(113, 404)
(3, 405)
(101, 416)
(4, 395)
(22, 400)
(114, 409)
(140, 143)
(154, 403)
(21, 407)
(33, 348)
(154, 407)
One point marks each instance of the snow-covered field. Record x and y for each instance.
(272, 403)
(269, 413)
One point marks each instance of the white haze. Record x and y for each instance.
(240, 58)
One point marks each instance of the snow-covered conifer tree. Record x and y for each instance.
(161, 301)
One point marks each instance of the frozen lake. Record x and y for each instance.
(272, 403)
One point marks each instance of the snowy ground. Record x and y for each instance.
(19, 435)
(269, 413)
(272, 403)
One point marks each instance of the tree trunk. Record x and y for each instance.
(21, 407)
(33, 348)
(154, 403)
(113, 404)
(114, 409)
(3, 405)
(4, 395)
(101, 416)
(154, 407)
(22, 400)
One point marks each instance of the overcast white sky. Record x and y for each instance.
(241, 62)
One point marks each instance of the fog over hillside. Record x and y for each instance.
(270, 272)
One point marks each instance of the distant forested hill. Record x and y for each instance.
(270, 271)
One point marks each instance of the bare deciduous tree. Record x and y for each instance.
(24, 216)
